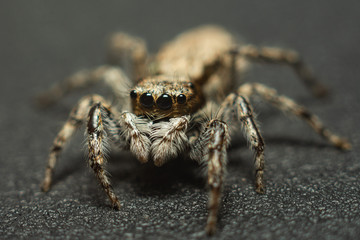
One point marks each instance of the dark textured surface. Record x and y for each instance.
(312, 189)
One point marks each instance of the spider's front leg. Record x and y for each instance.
(77, 117)
(91, 107)
(238, 107)
(95, 131)
(212, 144)
(100, 119)
(123, 132)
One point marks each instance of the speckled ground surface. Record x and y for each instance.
(312, 189)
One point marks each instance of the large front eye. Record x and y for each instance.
(147, 100)
(164, 102)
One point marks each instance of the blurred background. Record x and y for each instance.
(312, 189)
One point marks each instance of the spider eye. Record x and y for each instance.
(133, 94)
(147, 100)
(191, 85)
(181, 99)
(164, 102)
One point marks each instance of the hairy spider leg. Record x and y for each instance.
(77, 117)
(237, 107)
(123, 131)
(213, 142)
(210, 149)
(123, 50)
(287, 105)
(284, 56)
(111, 76)
(96, 132)
(128, 52)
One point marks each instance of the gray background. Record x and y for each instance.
(312, 189)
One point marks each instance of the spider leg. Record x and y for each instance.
(244, 113)
(212, 143)
(284, 56)
(113, 77)
(129, 52)
(76, 118)
(287, 105)
(101, 122)
(96, 135)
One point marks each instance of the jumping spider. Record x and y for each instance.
(171, 110)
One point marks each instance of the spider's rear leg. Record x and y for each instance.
(129, 52)
(113, 77)
(77, 116)
(212, 143)
(285, 56)
(238, 107)
(287, 105)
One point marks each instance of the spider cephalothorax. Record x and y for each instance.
(172, 112)
(163, 97)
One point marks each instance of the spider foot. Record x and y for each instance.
(210, 228)
(45, 186)
(343, 144)
(45, 99)
(320, 91)
(116, 205)
(260, 189)
(259, 182)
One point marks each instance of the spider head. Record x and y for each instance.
(165, 97)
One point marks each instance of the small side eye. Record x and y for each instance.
(133, 94)
(181, 99)
(164, 102)
(147, 100)
(191, 85)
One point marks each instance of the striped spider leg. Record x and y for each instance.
(210, 149)
(126, 56)
(289, 106)
(288, 57)
(101, 121)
